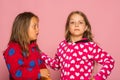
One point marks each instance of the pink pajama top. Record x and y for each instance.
(76, 60)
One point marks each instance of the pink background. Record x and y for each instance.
(104, 16)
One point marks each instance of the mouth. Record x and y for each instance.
(76, 29)
(37, 34)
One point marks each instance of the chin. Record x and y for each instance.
(33, 39)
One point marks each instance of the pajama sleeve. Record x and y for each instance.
(103, 58)
(17, 67)
(52, 62)
(41, 63)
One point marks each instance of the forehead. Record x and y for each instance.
(34, 19)
(76, 17)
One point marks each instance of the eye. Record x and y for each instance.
(81, 22)
(34, 26)
(72, 22)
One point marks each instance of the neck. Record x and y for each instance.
(75, 38)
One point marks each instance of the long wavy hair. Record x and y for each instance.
(19, 32)
(87, 34)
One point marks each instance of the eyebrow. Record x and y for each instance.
(79, 20)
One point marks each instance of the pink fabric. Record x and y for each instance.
(76, 61)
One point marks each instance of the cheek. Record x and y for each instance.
(83, 28)
(71, 28)
(30, 33)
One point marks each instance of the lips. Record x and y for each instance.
(37, 34)
(76, 29)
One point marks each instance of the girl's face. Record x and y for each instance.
(33, 29)
(77, 25)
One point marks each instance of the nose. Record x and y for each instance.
(76, 24)
(37, 29)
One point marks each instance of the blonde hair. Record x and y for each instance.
(87, 34)
(20, 27)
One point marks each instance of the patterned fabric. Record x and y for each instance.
(20, 66)
(76, 60)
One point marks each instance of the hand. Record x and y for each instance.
(43, 78)
(45, 74)
(92, 78)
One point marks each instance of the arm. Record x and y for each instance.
(103, 58)
(53, 63)
(45, 74)
(17, 66)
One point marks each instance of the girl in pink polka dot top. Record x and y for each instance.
(77, 54)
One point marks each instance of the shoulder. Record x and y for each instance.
(94, 47)
(93, 44)
(62, 42)
(14, 45)
(12, 48)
